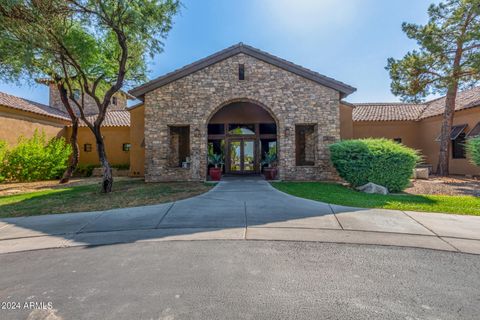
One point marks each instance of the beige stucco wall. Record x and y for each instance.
(15, 123)
(430, 130)
(193, 99)
(137, 153)
(408, 131)
(114, 138)
(421, 135)
(346, 123)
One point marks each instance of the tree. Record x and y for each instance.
(99, 46)
(25, 56)
(448, 60)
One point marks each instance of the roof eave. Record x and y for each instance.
(343, 88)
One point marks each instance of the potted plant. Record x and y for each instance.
(270, 171)
(216, 171)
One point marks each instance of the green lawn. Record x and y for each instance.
(126, 193)
(338, 194)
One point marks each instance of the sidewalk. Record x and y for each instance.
(248, 209)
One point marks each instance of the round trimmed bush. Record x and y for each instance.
(473, 149)
(380, 161)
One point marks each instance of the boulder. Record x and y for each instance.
(373, 188)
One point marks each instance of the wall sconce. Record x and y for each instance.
(287, 131)
(196, 133)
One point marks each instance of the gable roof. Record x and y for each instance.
(411, 111)
(119, 118)
(343, 88)
(17, 103)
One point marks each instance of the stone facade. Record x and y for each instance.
(195, 98)
(90, 105)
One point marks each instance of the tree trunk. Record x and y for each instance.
(75, 153)
(445, 141)
(107, 181)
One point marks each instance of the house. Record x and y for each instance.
(418, 126)
(241, 103)
(21, 117)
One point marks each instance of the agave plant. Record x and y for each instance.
(269, 159)
(215, 159)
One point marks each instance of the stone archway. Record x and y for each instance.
(242, 131)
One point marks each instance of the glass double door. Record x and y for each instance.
(241, 156)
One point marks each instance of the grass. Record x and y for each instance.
(338, 194)
(126, 193)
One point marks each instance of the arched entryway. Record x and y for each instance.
(242, 132)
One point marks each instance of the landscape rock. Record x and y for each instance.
(373, 188)
(421, 173)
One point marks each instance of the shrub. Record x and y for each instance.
(3, 151)
(380, 161)
(36, 158)
(85, 170)
(473, 150)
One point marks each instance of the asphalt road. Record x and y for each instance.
(240, 280)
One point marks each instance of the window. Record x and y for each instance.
(114, 101)
(126, 146)
(305, 141)
(475, 132)
(241, 129)
(179, 145)
(87, 147)
(268, 128)
(458, 147)
(398, 140)
(215, 128)
(241, 72)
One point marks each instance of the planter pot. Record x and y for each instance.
(270, 173)
(215, 173)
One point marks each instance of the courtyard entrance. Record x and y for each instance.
(242, 133)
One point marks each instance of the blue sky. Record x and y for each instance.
(349, 40)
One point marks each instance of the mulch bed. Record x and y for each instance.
(453, 185)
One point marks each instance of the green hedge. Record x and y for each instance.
(473, 149)
(35, 158)
(380, 161)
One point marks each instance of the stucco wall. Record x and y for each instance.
(114, 138)
(408, 131)
(430, 130)
(137, 153)
(421, 135)
(346, 123)
(16, 123)
(193, 99)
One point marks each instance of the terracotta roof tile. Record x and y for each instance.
(30, 106)
(112, 119)
(387, 111)
(411, 111)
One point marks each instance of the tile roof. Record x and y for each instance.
(30, 106)
(119, 118)
(411, 111)
(387, 111)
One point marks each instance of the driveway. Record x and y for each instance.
(248, 209)
(241, 280)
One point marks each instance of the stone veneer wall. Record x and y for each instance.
(192, 100)
(90, 105)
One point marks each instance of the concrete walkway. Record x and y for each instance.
(249, 209)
